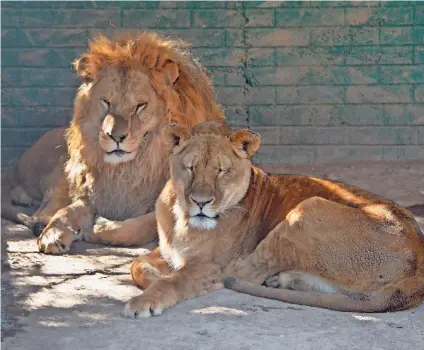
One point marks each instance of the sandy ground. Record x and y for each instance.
(74, 301)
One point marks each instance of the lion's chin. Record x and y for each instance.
(119, 157)
(203, 223)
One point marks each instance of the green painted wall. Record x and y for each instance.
(321, 81)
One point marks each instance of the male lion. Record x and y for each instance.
(116, 162)
(334, 246)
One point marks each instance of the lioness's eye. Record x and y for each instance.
(189, 168)
(140, 107)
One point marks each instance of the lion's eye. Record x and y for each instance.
(189, 168)
(106, 103)
(140, 107)
(223, 171)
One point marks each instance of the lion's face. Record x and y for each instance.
(123, 111)
(210, 170)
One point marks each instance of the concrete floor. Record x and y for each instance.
(74, 301)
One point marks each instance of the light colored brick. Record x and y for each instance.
(237, 116)
(405, 114)
(382, 136)
(260, 57)
(309, 17)
(313, 136)
(270, 135)
(402, 35)
(217, 18)
(419, 93)
(379, 16)
(310, 94)
(420, 136)
(379, 55)
(419, 54)
(277, 37)
(63, 18)
(402, 74)
(221, 57)
(314, 75)
(378, 94)
(20, 38)
(197, 37)
(403, 153)
(330, 154)
(286, 115)
(58, 57)
(59, 97)
(156, 19)
(332, 36)
(259, 18)
(217, 75)
(419, 13)
(241, 96)
(35, 116)
(284, 155)
(42, 77)
(346, 115)
(235, 37)
(302, 56)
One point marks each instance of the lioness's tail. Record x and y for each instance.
(15, 213)
(403, 295)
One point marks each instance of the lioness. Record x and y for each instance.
(332, 245)
(101, 185)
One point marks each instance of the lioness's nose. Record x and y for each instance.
(201, 201)
(117, 138)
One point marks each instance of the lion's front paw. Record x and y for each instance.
(102, 231)
(56, 239)
(141, 306)
(273, 281)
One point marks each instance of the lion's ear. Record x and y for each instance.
(81, 65)
(171, 72)
(174, 135)
(246, 142)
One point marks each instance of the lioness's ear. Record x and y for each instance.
(81, 65)
(174, 135)
(246, 142)
(171, 72)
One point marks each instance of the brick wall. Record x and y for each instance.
(321, 81)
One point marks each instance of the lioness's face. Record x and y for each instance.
(210, 170)
(123, 110)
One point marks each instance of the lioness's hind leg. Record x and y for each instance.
(298, 280)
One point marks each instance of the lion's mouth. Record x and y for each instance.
(118, 152)
(203, 216)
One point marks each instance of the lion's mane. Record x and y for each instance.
(190, 101)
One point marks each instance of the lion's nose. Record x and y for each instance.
(201, 201)
(117, 138)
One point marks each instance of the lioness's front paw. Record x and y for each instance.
(141, 306)
(56, 239)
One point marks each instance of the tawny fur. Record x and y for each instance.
(110, 199)
(339, 247)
